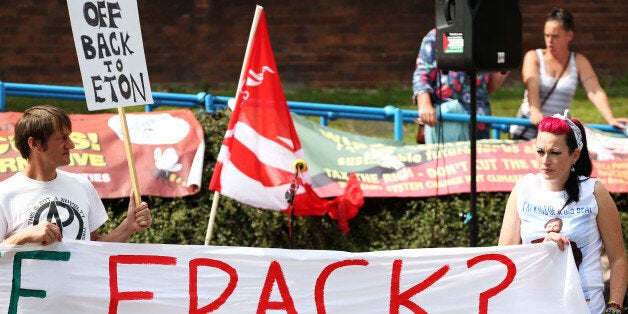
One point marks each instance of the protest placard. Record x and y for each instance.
(109, 47)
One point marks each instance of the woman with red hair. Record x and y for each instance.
(564, 189)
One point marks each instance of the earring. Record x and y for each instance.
(573, 168)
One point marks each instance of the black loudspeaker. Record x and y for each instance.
(478, 35)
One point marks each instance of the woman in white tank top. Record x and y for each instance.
(543, 67)
(562, 203)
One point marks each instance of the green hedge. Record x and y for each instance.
(381, 224)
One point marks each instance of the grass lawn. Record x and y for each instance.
(504, 102)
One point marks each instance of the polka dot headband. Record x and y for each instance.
(573, 126)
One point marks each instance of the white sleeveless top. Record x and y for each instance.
(561, 97)
(538, 208)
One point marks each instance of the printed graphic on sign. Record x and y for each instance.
(152, 129)
(453, 43)
(386, 168)
(168, 146)
(166, 166)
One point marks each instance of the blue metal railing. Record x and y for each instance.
(210, 104)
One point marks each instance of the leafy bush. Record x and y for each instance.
(382, 223)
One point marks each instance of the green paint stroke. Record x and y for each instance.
(16, 291)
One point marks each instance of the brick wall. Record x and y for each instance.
(325, 43)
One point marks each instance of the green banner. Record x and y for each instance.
(387, 168)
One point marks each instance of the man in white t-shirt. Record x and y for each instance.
(42, 204)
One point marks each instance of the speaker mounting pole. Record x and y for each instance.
(477, 36)
(473, 224)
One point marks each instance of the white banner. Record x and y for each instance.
(108, 42)
(95, 277)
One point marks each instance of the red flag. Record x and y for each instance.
(346, 206)
(256, 163)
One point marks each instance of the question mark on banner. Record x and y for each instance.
(510, 276)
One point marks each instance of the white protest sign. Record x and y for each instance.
(108, 42)
(97, 277)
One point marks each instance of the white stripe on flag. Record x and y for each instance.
(267, 151)
(244, 189)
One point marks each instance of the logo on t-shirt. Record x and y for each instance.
(556, 225)
(63, 213)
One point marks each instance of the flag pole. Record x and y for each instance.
(245, 65)
(212, 216)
